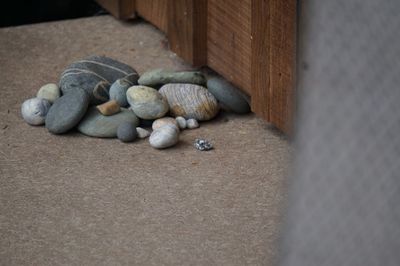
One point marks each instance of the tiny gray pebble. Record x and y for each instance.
(126, 132)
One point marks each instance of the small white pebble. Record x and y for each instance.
(181, 122)
(192, 123)
(34, 111)
(142, 133)
(50, 92)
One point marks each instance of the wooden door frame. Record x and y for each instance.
(273, 45)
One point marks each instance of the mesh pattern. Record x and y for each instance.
(344, 197)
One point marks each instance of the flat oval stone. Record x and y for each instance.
(190, 101)
(34, 111)
(146, 102)
(50, 92)
(95, 74)
(95, 124)
(67, 111)
(231, 97)
(162, 76)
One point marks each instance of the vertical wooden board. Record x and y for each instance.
(282, 63)
(122, 9)
(154, 11)
(260, 58)
(229, 40)
(187, 34)
(273, 61)
(127, 9)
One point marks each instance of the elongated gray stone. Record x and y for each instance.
(67, 111)
(230, 97)
(94, 124)
(95, 74)
(161, 76)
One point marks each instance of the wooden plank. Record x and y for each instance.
(154, 11)
(260, 58)
(273, 61)
(282, 63)
(122, 9)
(187, 30)
(229, 40)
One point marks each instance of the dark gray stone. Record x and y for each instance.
(230, 97)
(95, 74)
(95, 124)
(67, 111)
(157, 77)
(126, 132)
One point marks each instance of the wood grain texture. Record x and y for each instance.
(229, 40)
(122, 9)
(154, 11)
(273, 61)
(187, 30)
(282, 63)
(260, 58)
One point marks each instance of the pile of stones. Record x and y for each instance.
(104, 98)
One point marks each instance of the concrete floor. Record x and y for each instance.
(75, 200)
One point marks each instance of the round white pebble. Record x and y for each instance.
(192, 123)
(181, 122)
(34, 111)
(142, 133)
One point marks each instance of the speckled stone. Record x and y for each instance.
(95, 124)
(190, 101)
(126, 132)
(146, 102)
(230, 97)
(94, 74)
(50, 92)
(162, 76)
(67, 111)
(34, 111)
